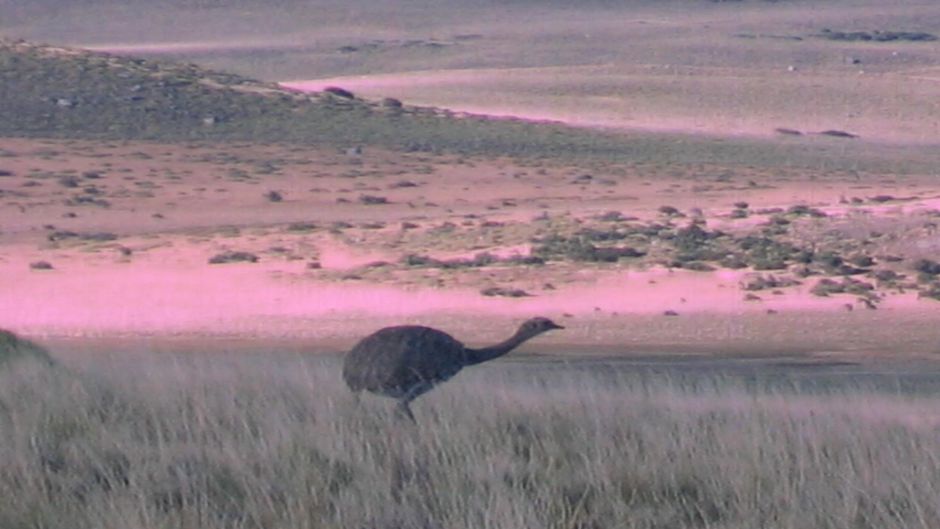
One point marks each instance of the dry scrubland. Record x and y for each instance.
(160, 168)
(274, 441)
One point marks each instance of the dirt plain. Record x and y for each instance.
(338, 240)
(324, 264)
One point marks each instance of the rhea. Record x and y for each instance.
(407, 361)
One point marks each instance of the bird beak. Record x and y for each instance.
(556, 326)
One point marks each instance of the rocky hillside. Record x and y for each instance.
(48, 91)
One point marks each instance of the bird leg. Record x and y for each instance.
(404, 410)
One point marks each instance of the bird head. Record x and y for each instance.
(536, 326)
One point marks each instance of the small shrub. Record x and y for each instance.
(601, 235)
(931, 292)
(274, 196)
(886, 275)
(301, 226)
(403, 183)
(669, 211)
(525, 260)
(417, 260)
(854, 286)
(876, 36)
(828, 259)
(862, 260)
(762, 282)
(505, 292)
(927, 266)
(233, 257)
(41, 265)
(803, 210)
(371, 200)
(100, 236)
(610, 216)
(694, 244)
(825, 286)
(698, 266)
(69, 181)
(733, 262)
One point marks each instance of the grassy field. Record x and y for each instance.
(275, 441)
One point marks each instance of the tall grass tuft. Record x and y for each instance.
(13, 347)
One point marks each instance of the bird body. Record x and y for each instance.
(393, 360)
(404, 362)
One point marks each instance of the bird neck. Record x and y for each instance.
(476, 356)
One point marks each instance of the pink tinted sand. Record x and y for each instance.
(80, 298)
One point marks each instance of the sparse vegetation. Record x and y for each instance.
(877, 36)
(41, 265)
(372, 200)
(505, 292)
(233, 257)
(578, 248)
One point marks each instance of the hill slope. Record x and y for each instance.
(58, 92)
(61, 92)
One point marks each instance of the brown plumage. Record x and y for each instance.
(405, 362)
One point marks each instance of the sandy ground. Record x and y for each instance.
(326, 271)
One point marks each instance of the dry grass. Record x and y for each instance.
(274, 441)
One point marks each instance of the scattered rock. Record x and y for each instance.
(339, 92)
(838, 134)
(391, 102)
